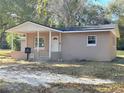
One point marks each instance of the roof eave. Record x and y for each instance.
(87, 31)
(41, 28)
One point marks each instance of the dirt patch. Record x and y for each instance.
(35, 78)
(6, 87)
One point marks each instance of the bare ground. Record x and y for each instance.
(61, 77)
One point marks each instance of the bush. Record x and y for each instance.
(120, 44)
(16, 41)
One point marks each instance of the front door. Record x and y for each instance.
(23, 45)
(55, 44)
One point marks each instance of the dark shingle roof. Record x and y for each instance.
(85, 28)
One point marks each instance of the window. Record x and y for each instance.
(41, 42)
(91, 40)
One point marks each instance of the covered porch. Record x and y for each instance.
(45, 42)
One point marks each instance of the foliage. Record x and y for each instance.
(77, 12)
(56, 13)
(94, 15)
(16, 41)
(116, 7)
(120, 45)
(14, 12)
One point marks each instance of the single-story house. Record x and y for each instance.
(71, 43)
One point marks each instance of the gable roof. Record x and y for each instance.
(30, 27)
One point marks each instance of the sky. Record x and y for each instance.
(103, 2)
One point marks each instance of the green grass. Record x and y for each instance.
(5, 52)
(5, 57)
(120, 53)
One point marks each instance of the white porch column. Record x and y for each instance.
(12, 43)
(38, 41)
(50, 44)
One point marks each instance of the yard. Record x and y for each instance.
(61, 77)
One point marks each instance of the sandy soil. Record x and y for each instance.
(45, 78)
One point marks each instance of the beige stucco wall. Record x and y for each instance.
(113, 45)
(74, 46)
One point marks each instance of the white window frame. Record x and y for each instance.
(41, 48)
(95, 41)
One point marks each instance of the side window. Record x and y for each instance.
(91, 40)
(41, 42)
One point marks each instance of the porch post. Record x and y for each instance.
(49, 44)
(38, 41)
(12, 45)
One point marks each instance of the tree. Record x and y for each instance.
(77, 12)
(116, 7)
(65, 11)
(94, 15)
(55, 13)
(116, 10)
(13, 12)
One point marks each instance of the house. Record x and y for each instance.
(83, 43)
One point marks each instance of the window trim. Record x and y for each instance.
(95, 41)
(41, 48)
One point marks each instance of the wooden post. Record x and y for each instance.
(49, 44)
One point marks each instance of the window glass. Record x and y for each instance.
(41, 42)
(91, 40)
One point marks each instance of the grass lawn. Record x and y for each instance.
(5, 52)
(103, 70)
(5, 57)
(120, 53)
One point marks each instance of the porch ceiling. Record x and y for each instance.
(29, 27)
